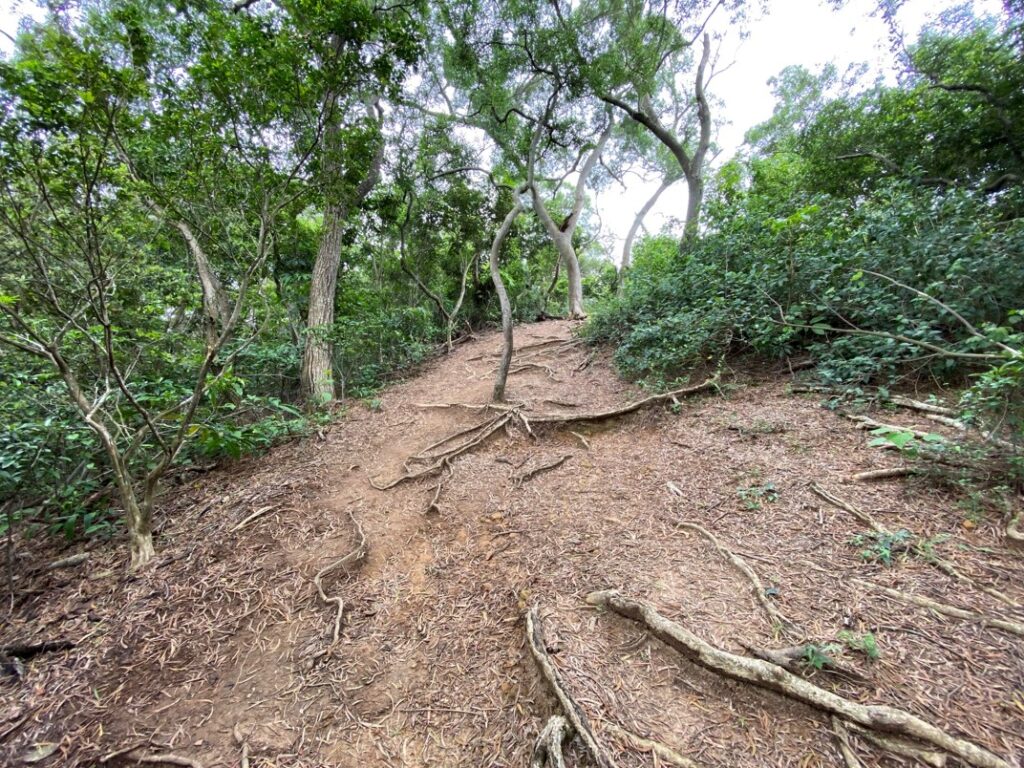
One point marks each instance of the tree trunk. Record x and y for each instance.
(627, 248)
(506, 307)
(317, 376)
(572, 273)
(695, 198)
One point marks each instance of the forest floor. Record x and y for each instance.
(223, 646)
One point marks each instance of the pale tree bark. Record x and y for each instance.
(506, 306)
(627, 248)
(317, 375)
(561, 235)
(691, 162)
(215, 299)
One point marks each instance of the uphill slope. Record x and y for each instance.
(225, 648)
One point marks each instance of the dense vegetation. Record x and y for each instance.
(216, 218)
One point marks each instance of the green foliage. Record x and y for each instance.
(881, 547)
(756, 494)
(862, 642)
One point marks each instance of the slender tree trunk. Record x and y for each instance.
(694, 201)
(627, 248)
(317, 377)
(506, 307)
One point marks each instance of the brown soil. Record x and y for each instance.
(225, 632)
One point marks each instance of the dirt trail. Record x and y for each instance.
(225, 639)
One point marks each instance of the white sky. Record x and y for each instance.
(805, 32)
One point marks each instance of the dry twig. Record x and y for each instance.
(356, 555)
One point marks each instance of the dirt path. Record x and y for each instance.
(225, 640)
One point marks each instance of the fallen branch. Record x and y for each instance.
(531, 473)
(254, 517)
(866, 422)
(663, 751)
(774, 678)
(1013, 532)
(356, 555)
(917, 405)
(549, 418)
(547, 750)
(773, 613)
(168, 757)
(573, 711)
(1007, 625)
(883, 474)
(244, 744)
(68, 562)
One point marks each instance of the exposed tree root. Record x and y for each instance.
(794, 659)
(435, 455)
(663, 751)
(446, 472)
(547, 750)
(845, 748)
(573, 712)
(532, 472)
(244, 744)
(623, 410)
(889, 720)
(774, 615)
(883, 474)
(929, 557)
(900, 747)
(355, 556)
(1007, 625)
(835, 501)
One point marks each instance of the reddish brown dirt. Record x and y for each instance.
(225, 631)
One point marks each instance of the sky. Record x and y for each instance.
(805, 32)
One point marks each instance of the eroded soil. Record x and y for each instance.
(225, 641)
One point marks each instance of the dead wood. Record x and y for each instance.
(917, 405)
(774, 615)
(354, 556)
(929, 557)
(254, 517)
(943, 609)
(68, 562)
(573, 711)
(661, 751)
(845, 748)
(168, 758)
(764, 674)
(244, 744)
(532, 472)
(883, 474)
(900, 747)
(547, 750)
(866, 422)
(548, 418)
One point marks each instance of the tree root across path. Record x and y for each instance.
(573, 711)
(1006, 625)
(434, 457)
(929, 557)
(547, 750)
(354, 557)
(886, 719)
(775, 616)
